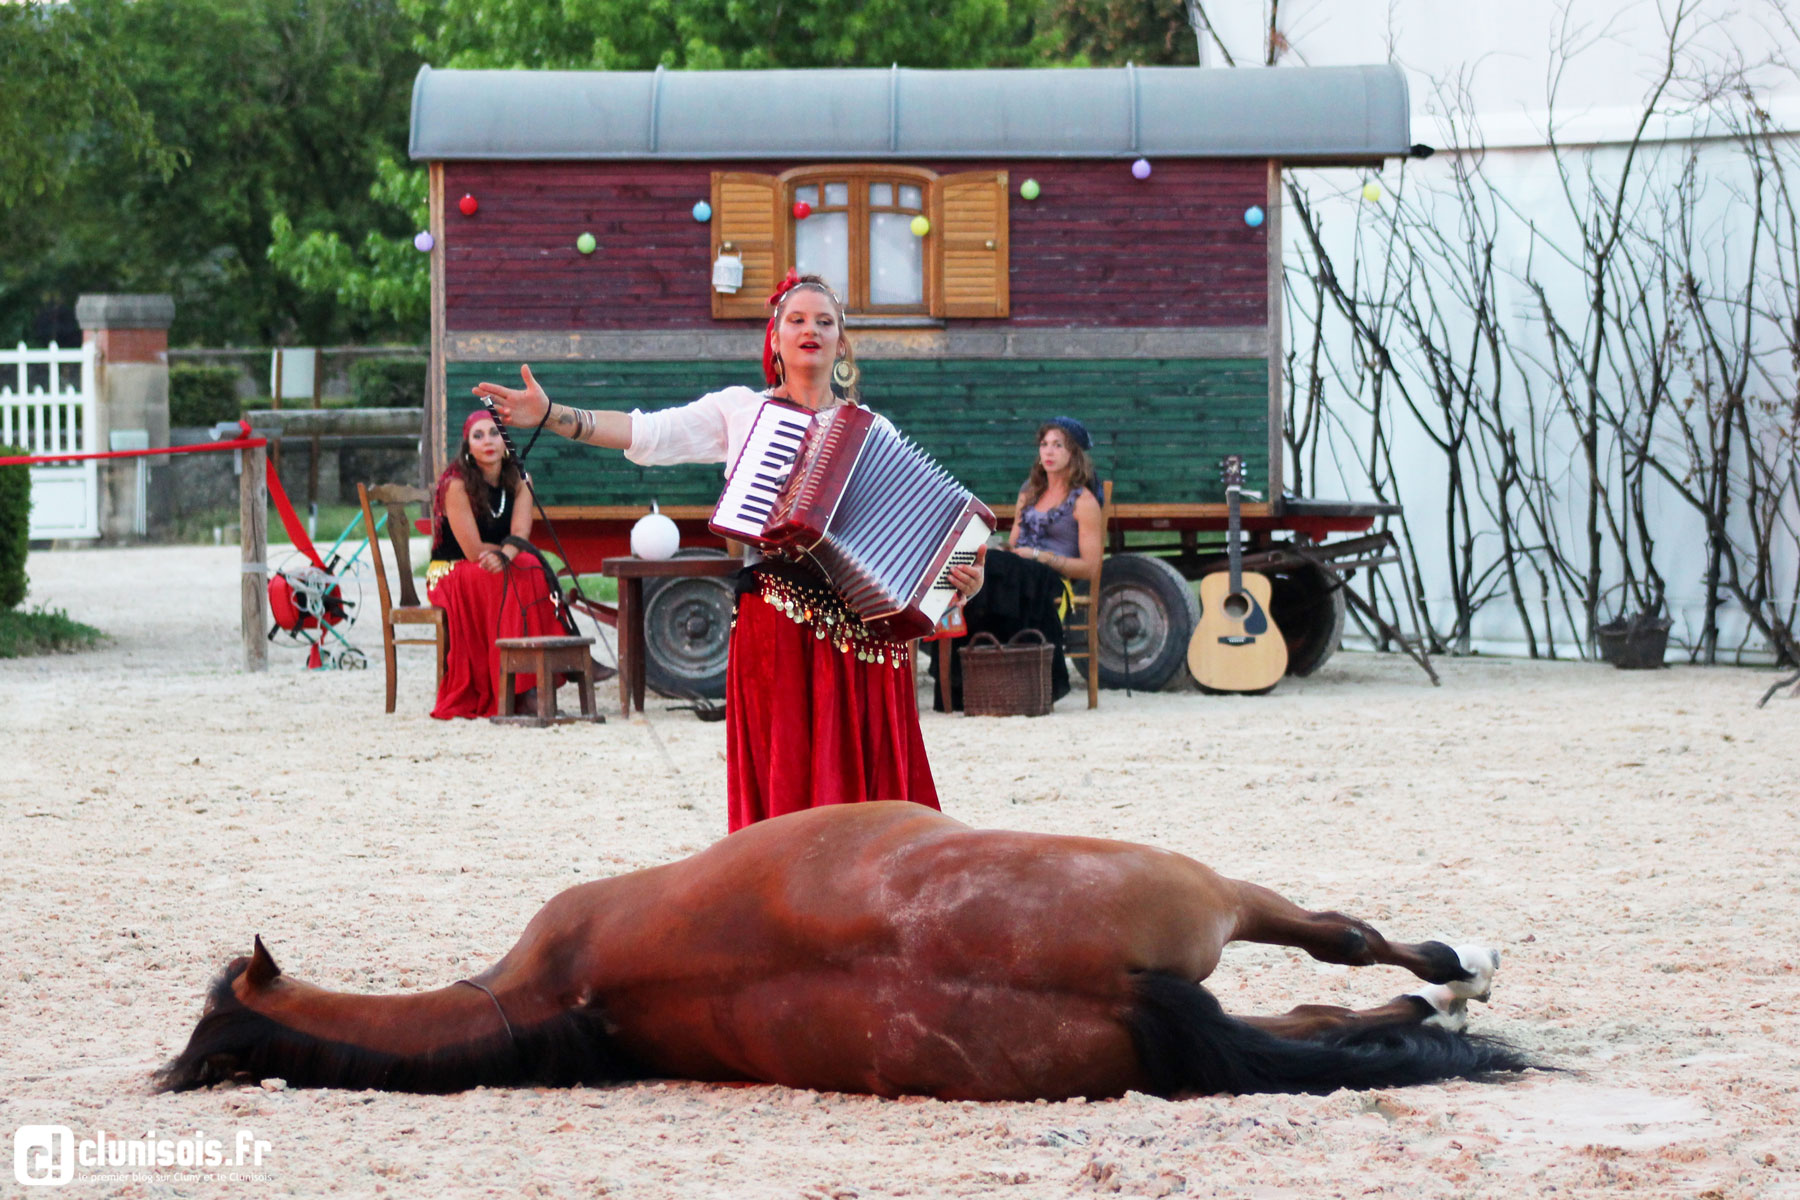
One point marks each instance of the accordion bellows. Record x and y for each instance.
(882, 519)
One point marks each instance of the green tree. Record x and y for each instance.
(64, 88)
(384, 278)
(715, 34)
(1111, 33)
(279, 106)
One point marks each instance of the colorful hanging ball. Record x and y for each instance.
(585, 243)
(920, 226)
(702, 211)
(423, 241)
(1253, 216)
(1140, 169)
(802, 210)
(1371, 191)
(468, 204)
(1029, 189)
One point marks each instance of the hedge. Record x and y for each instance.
(15, 528)
(388, 382)
(202, 395)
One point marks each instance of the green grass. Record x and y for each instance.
(25, 632)
(197, 528)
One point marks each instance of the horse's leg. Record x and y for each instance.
(1466, 972)
(1431, 1005)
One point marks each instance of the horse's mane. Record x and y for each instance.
(233, 1043)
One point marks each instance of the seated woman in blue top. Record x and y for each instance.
(1056, 537)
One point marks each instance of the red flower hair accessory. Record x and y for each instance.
(787, 284)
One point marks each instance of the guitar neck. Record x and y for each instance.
(1233, 551)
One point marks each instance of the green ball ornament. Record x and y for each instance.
(920, 226)
(585, 243)
(1029, 189)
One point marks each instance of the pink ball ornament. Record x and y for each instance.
(423, 241)
(468, 204)
(1140, 169)
(802, 210)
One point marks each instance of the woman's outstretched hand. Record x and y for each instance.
(967, 579)
(526, 406)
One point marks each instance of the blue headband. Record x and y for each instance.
(1074, 429)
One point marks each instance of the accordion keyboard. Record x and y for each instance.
(762, 467)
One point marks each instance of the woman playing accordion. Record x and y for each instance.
(819, 709)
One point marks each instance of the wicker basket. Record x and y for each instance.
(1006, 681)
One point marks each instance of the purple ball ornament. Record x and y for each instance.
(423, 241)
(1253, 216)
(1140, 169)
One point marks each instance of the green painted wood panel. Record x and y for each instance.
(1160, 426)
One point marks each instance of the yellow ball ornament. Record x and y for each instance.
(920, 226)
(1372, 192)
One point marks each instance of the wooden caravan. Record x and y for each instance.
(1048, 280)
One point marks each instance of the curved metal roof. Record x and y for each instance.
(1316, 114)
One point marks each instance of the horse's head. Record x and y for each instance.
(230, 1027)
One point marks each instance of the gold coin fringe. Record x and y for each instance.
(831, 620)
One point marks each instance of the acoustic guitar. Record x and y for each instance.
(1236, 647)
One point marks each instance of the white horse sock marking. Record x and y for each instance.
(1481, 962)
(1449, 1011)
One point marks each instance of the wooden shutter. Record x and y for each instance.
(746, 213)
(970, 221)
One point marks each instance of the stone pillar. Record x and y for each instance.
(132, 336)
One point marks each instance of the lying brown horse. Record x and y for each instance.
(880, 948)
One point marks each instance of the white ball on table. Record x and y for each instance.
(655, 536)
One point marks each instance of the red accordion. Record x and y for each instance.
(880, 518)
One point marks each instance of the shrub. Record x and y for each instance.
(15, 528)
(388, 382)
(202, 395)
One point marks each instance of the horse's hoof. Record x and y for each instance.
(1448, 1010)
(1480, 962)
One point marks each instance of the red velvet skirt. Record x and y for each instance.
(814, 720)
(480, 607)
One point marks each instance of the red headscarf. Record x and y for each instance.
(453, 470)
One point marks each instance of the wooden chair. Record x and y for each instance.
(1087, 602)
(395, 497)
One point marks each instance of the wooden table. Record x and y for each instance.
(631, 573)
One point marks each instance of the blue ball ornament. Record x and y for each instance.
(702, 211)
(1140, 169)
(1253, 216)
(423, 241)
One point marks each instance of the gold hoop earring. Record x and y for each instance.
(844, 374)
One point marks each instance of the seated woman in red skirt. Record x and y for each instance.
(488, 587)
(818, 709)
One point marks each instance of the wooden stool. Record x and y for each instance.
(546, 657)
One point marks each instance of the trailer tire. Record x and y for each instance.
(1146, 606)
(1307, 605)
(687, 632)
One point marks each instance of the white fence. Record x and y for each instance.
(49, 405)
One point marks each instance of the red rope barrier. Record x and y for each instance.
(243, 443)
(290, 520)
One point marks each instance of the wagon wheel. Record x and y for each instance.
(687, 632)
(1147, 611)
(350, 658)
(1307, 605)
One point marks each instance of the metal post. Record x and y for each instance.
(253, 514)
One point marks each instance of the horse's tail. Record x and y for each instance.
(1187, 1043)
(234, 1042)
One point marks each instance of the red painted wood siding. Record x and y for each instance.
(1097, 248)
